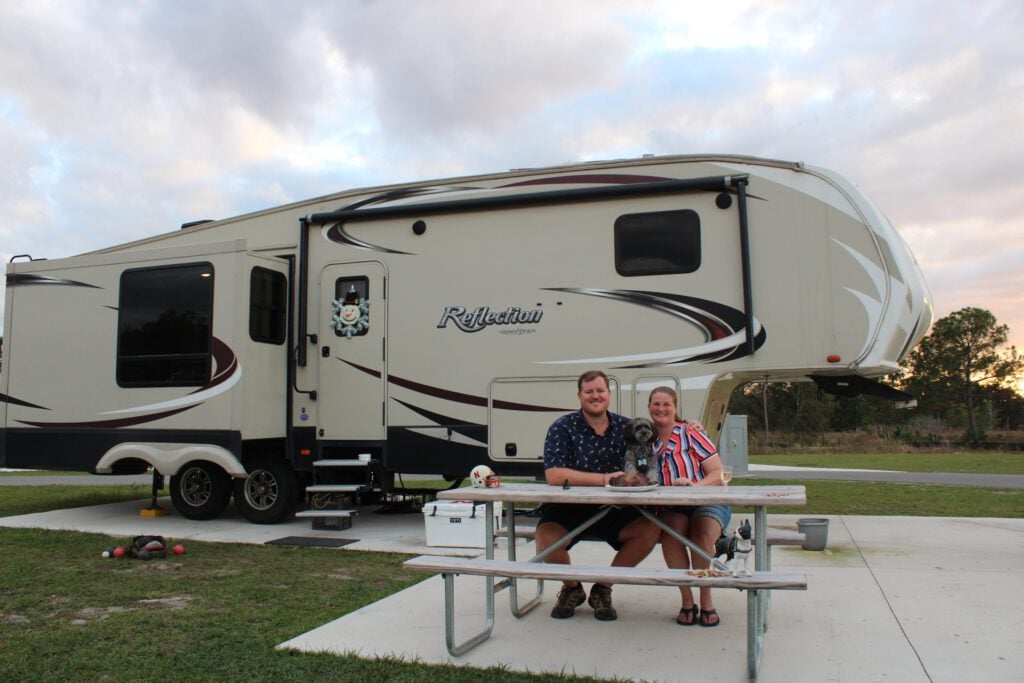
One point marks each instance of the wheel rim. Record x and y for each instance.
(261, 490)
(196, 486)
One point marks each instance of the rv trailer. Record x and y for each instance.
(327, 345)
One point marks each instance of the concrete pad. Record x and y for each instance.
(879, 614)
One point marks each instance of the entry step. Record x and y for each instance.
(325, 513)
(335, 488)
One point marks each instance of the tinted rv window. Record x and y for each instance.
(351, 307)
(268, 296)
(163, 326)
(657, 243)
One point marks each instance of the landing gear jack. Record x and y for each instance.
(154, 510)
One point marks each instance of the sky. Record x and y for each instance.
(123, 119)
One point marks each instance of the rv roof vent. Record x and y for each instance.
(192, 224)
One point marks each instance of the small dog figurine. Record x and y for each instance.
(729, 550)
(639, 449)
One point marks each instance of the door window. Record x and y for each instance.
(350, 311)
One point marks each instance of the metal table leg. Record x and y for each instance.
(456, 649)
(513, 585)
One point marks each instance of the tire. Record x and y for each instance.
(200, 490)
(269, 494)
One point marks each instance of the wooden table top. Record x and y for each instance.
(660, 495)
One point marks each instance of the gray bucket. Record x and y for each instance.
(815, 531)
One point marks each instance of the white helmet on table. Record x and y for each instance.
(483, 476)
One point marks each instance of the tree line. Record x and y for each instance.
(963, 376)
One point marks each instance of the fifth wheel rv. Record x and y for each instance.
(322, 347)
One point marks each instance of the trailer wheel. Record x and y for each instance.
(268, 495)
(200, 490)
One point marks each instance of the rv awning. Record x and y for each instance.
(850, 386)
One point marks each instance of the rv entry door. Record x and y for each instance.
(352, 364)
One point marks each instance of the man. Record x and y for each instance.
(586, 448)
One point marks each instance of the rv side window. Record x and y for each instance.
(164, 323)
(351, 310)
(268, 297)
(657, 243)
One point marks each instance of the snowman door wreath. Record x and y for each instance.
(351, 315)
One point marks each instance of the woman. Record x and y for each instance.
(686, 457)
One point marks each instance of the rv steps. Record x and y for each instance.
(333, 498)
(313, 514)
(335, 488)
(328, 519)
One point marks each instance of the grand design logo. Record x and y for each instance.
(483, 317)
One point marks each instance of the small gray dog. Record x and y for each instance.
(640, 450)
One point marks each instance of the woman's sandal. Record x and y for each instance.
(707, 614)
(688, 616)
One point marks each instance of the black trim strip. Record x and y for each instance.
(748, 298)
(300, 352)
(579, 194)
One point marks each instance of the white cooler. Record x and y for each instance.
(458, 523)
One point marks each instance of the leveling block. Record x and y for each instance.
(155, 511)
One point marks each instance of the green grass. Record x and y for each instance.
(989, 462)
(213, 614)
(42, 473)
(23, 500)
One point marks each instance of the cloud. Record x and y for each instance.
(475, 67)
(122, 120)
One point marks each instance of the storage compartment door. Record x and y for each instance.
(521, 410)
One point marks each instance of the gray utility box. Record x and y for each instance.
(732, 443)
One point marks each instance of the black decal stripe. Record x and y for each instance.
(714, 319)
(338, 234)
(227, 363)
(405, 193)
(108, 424)
(4, 398)
(470, 430)
(742, 350)
(455, 396)
(16, 279)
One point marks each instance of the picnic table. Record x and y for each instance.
(510, 570)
